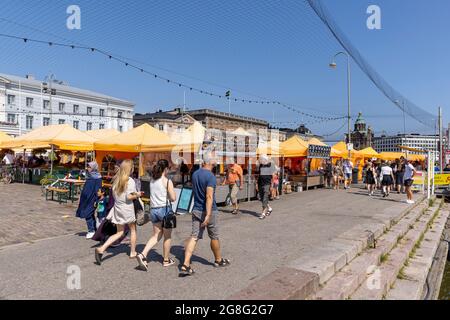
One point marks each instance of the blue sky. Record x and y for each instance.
(274, 49)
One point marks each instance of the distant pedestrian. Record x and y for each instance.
(235, 180)
(338, 174)
(101, 206)
(123, 213)
(328, 172)
(184, 170)
(371, 176)
(387, 178)
(408, 179)
(348, 169)
(399, 173)
(88, 198)
(264, 181)
(162, 193)
(276, 185)
(204, 215)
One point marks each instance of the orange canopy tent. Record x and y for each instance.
(294, 147)
(4, 138)
(342, 147)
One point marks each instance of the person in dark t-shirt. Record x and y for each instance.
(264, 181)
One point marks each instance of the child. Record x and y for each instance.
(101, 205)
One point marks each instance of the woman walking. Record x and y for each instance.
(338, 174)
(89, 197)
(161, 193)
(371, 176)
(122, 214)
(388, 178)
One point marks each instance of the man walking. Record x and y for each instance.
(348, 168)
(235, 180)
(204, 215)
(266, 172)
(408, 179)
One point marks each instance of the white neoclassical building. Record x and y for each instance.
(27, 103)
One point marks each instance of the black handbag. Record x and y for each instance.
(170, 219)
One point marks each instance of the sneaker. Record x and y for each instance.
(410, 201)
(262, 216)
(89, 235)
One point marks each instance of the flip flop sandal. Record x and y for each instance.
(222, 263)
(98, 257)
(187, 270)
(168, 263)
(235, 212)
(142, 261)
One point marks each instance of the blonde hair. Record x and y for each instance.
(120, 180)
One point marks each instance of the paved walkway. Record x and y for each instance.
(299, 221)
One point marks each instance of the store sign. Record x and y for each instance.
(319, 152)
(442, 179)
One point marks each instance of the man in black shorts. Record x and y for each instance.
(204, 215)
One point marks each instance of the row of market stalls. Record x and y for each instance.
(69, 149)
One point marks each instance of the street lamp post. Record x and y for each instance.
(334, 65)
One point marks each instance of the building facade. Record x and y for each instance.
(27, 103)
(416, 141)
(362, 135)
(178, 120)
(302, 131)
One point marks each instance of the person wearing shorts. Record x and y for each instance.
(204, 216)
(347, 167)
(408, 180)
(235, 181)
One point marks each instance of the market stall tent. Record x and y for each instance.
(342, 147)
(4, 138)
(294, 147)
(103, 133)
(63, 136)
(191, 139)
(144, 138)
(272, 148)
(369, 153)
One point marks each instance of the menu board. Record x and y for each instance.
(185, 202)
(319, 152)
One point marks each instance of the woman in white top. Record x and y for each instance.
(124, 192)
(161, 193)
(388, 178)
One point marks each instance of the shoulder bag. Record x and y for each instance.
(170, 219)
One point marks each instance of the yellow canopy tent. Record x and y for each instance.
(241, 132)
(342, 147)
(272, 148)
(336, 153)
(63, 136)
(191, 139)
(391, 155)
(369, 153)
(144, 138)
(316, 142)
(294, 147)
(103, 133)
(4, 138)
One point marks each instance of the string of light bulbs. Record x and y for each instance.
(126, 63)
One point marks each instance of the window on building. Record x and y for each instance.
(46, 122)
(89, 126)
(119, 114)
(76, 108)
(29, 124)
(11, 118)
(11, 99)
(102, 112)
(89, 110)
(120, 128)
(161, 127)
(61, 121)
(46, 104)
(76, 124)
(29, 102)
(101, 126)
(61, 106)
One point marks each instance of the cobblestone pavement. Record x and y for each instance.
(300, 221)
(26, 216)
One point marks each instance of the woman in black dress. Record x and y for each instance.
(371, 175)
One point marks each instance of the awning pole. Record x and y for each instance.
(51, 162)
(23, 167)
